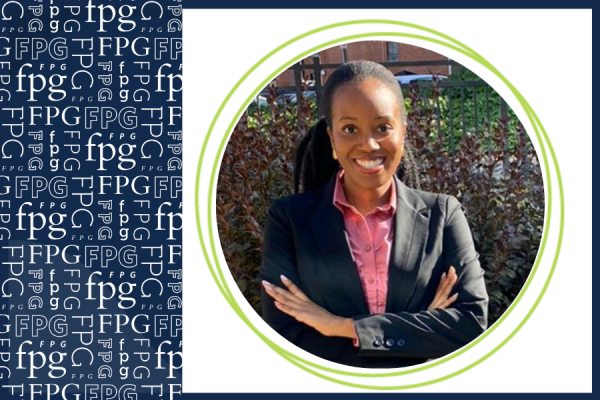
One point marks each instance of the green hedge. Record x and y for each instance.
(494, 172)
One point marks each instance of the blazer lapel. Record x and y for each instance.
(329, 231)
(410, 236)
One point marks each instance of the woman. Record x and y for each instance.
(360, 269)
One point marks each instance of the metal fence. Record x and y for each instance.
(317, 68)
(460, 106)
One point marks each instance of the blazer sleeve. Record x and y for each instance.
(432, 334)
(279, 258)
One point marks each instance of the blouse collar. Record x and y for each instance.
(341, 202)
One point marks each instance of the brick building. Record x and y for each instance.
(375, 51)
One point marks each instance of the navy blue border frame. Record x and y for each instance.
(393, 4)
(389, 4)
(405, 396)
(382, 4)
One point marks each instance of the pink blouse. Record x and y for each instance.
(370, 238)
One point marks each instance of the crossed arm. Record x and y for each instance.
(296, 304)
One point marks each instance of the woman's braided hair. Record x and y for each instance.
(314, 165)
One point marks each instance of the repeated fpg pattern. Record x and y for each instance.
(90, 199)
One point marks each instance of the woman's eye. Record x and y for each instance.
(349, 129)
(384, 128)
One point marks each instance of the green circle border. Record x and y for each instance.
(533, 118)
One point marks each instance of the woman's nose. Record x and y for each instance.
(370, 143)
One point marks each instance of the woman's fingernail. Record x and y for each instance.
(283, 278)
(266, 284)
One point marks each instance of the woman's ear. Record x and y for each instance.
(405, 126)
(402, 144)
(333, 153)
(330, 134)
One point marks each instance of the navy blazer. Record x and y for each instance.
(304, 239)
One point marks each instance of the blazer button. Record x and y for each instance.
(389, 343)
(401, 342)
(377, 342)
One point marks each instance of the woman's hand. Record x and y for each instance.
(296, 304)
(442, 297)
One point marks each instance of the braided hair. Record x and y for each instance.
(314, 165)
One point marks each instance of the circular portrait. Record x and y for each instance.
(379, 205)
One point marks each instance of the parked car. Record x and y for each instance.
(292, 98)
(286, 98)
(406, 79)
(260, 100)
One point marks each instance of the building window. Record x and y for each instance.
(392, 51)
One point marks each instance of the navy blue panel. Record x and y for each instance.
(90, 192)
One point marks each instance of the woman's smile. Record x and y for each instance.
(370, 164)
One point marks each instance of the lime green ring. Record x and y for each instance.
(533, 119)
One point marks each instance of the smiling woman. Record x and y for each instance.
(368, 139)
(359, 268)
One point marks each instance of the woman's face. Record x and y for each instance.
(367, 133)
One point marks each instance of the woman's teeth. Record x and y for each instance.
(370, 163)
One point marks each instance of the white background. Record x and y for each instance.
(546, 55)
